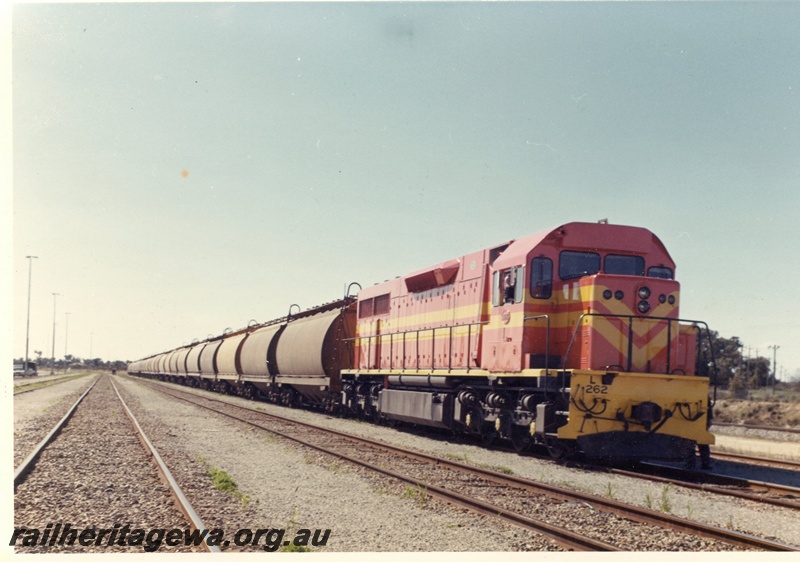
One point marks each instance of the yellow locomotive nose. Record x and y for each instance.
(629, 416)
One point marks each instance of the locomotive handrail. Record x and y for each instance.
(546, 346)
(347, 290)
(417, 331)
(631, 318)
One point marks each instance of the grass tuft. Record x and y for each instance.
(224, 482)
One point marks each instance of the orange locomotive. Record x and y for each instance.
(569, 338)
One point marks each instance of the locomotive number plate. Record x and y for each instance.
(596, 389)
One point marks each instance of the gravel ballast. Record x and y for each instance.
(96, 475)
(288, 488)
(778, 524)
(37, 411)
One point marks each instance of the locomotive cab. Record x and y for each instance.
(595, 331)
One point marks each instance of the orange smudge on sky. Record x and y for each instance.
(184, 173)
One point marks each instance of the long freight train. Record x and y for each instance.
(569, 338)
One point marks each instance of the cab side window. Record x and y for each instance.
(541, 278)
(507, 286)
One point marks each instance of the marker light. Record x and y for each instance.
(671, 299)
(607, 294)
(662, 298)
(619, 295)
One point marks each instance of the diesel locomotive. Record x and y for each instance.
(570, 339)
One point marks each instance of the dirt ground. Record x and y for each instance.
(758, 447)
(756, 412)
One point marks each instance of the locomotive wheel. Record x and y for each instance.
(476, 426)
(558, 450)
(288, 398)
(520, 439)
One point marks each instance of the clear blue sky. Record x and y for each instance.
(183, 168)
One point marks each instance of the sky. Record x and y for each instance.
(179, 169)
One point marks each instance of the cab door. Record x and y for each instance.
(504, 334)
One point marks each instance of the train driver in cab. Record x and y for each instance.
(509, 288)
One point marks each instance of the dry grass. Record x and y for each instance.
(758, 412)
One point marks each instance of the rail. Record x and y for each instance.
(26, 465)
(567, 538)
(570, 539)
(181, 501)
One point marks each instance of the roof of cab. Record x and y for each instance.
(586, 236)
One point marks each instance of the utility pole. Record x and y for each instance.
(757, 369)
(747, 368)
(774, 349)
(66, 332)
(53, 359)
(740, 347)
(28, 325)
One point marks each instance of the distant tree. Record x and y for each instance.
(726, 355)
(733, 370)
(758, 369)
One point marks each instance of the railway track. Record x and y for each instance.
(80, 476)
(23, 388)
(520, 501)
(759, 427)
(701, 480)
(750, 459)
(753, 490)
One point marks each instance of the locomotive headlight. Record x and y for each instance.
(647, 412)
(619, 295)
(644, 293)
(643, 306)
(607, 294)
